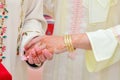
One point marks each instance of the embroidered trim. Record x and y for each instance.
(3, 27)
(20, 27)
(26, 33)
(76, 21)
(77, 11)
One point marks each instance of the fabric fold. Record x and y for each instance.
(98, 9)
(104, 45)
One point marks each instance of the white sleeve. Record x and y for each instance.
(105, 49)
(49, 7)
(34, 24)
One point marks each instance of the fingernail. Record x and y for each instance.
(27, 57)
(24, 58)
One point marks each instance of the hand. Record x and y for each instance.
(37, 55)
(54, 44)
(43, 48)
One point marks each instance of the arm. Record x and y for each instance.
(102, 46)
(34, 23)
(81, 41)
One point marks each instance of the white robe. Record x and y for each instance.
(33, 10)
(99, 19)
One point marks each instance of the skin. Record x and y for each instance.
(43, 48)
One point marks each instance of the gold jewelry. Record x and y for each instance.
(68, 43)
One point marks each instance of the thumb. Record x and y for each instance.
(32, 42)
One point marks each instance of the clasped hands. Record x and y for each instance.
(42, 48)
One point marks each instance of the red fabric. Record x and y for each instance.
(50, 29)
(4, 74)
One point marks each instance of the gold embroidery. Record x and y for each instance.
(20, 26)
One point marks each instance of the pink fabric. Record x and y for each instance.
(34, 74)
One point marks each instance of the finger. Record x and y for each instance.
(35, 47)
(30, 60)
(33, 53)
(27, 52)
(36, 60)
(30, 51)
(39, 49)
(47, 54)
(42, 58)
(32, 42)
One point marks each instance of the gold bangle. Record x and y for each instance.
(68, 43)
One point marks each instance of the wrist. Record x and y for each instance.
(81, 41)
(75, 40)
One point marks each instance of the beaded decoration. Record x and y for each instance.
(3, 27)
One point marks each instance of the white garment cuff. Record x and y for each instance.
(103, 44)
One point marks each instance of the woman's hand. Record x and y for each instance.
(54, 44)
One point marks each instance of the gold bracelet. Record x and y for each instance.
(68, 43)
